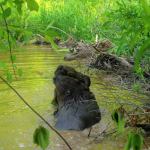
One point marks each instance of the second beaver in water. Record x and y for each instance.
(77, 108)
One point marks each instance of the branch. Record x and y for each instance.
(145, 113)
(10, 50)
(50, 27)
(36, 113)
(62, 31)
(135, 105)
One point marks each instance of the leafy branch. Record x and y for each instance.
(6, 14)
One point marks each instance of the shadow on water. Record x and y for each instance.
(18, 122)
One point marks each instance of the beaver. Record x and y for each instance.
(71, 72)
(77, 107)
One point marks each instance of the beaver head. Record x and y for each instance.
(67, 88)
(66, 71)
(61, 70)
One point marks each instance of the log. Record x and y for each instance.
(106, 61)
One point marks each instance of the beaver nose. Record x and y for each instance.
(60, 67)
(54, 79)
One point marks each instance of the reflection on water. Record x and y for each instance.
(18, 122)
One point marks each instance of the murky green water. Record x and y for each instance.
(18, 122)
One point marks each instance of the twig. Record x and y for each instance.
(135, 105)
(145, 144)
(62, 31)
(36, 113)
(145, 113)
(50, 27)
(102, 131)
(8, 41)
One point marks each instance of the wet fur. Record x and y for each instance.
(77, 108)
(71, 72)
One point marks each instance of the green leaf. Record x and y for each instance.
(133, 20)
(134, 38)
(136, 141)
(50, 40)
(11, 27)
(13, 57)
(20, 50)
(136, 25)
(118, 117)
(4, 3)
(3, 65)
(107, 23)
(20, 72)
(51, 33)
(112, 50)
(14, 66)
(9, 77)
(41, 137)
(7, 13)
(120, 50)
(10, 2)
(128, 32)
(121, 124)
(128, 143)
(145, 7)
(3, 47)
(18, 2)
(119, 3)
(14, 41)
(19, 10)
(123, 3)
(141, 51)
(22, 44)
(32, 5)
(27, 38)
(1, 16)
(49, 26)
(1, 32)
(115, 116)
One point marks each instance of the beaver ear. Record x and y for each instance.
(68, 73)
(60, 67)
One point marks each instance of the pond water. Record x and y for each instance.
(18, 122)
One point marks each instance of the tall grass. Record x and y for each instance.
(78, 18)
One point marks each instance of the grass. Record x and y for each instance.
(78, 18)
(83, 19)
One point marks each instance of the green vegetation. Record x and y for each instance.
(118, 117)
(135, 141)
(125, 23)
(41, 137)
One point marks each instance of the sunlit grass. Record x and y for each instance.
(78, 18)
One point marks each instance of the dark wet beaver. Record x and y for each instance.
(77, 108)
(71, 72)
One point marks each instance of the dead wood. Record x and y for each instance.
(146, 127)
(104, 60)
(83, 51)
(39, 39)
(103, 45)
(110, 62)
(69, 43)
